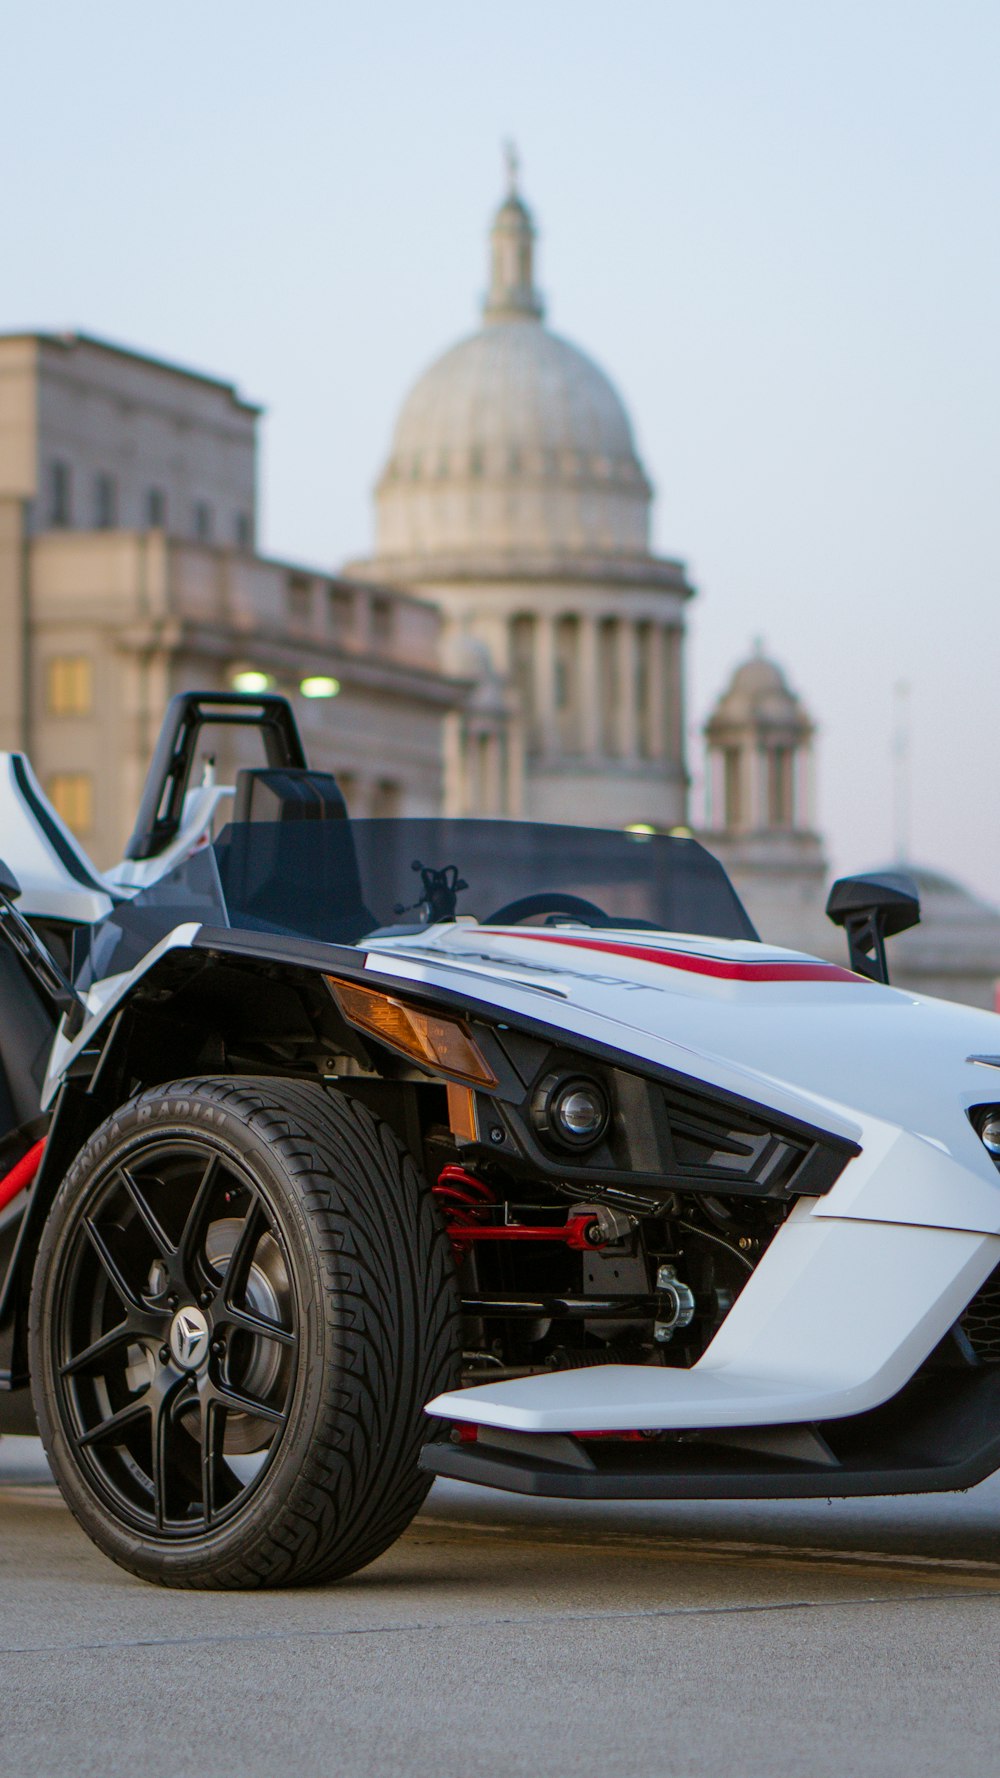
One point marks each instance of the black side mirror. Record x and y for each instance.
(10, 888)
(872, 909)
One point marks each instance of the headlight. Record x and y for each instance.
(988, 1125)
(570, 1109)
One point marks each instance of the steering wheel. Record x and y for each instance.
(548, 901)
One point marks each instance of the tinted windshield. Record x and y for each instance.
(341, 881)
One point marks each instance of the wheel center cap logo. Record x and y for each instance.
(189, 1338)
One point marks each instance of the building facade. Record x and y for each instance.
(128, 571)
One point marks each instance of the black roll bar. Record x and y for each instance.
(159, 816)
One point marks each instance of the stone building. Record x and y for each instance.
(760, 816)
(514, 498)
(129, 571)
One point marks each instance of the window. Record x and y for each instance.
(522, 667)
(60, 493)
(567, 675)
(382, 621)
(386, 799)
(105, 501)
(72, 796)
(69, 686)
(340, 611)
(203, 521)
(244, 531)
(156, 508)
(298, 595)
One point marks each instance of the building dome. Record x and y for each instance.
(758, 695)
(513, 445)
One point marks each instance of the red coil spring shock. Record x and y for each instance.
(464, 1199)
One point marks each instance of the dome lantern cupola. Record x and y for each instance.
(512, 295)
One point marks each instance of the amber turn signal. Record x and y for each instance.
(426, 1036)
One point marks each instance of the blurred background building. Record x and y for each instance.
(512, 645)
(129, 570)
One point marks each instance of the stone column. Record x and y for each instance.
(589, 689)
(627, 714)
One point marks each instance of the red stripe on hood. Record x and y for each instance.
(730, 971)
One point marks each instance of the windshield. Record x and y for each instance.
(344, 881)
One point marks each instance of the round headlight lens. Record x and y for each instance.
(989, 1130)
(580, 1113)
(571, 1109)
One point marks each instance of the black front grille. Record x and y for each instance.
(981, 1321)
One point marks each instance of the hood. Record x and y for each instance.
(783, 1021)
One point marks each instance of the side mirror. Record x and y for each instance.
(872, 909)
(10, 888)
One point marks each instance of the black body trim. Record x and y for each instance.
(939, 1434)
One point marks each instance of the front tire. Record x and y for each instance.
(242, 1299)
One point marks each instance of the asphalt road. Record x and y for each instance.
(504, 1637)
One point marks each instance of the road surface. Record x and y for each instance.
(503, 1637)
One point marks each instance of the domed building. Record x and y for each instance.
(514, 497)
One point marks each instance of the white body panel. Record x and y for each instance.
(858, 1286)
(835, 1319)
(57, 879)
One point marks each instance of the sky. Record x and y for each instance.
(774, 225)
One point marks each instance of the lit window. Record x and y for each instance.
(69, 686)
(60, 494)
(72, 796)
(105, 501)
(244, 531)
(203, 521)
(156, 508)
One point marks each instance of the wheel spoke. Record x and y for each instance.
(245, 1404)
(91, 1356)
(194, 1221)
(258, 1325)
(129, 1297)
(117, 1424)
(213, 1421)
(238, 1269)
(160, 1239)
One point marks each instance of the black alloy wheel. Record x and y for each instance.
(230, 1392)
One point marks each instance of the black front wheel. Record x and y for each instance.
(242, 1300)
